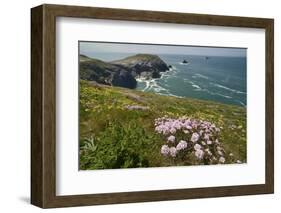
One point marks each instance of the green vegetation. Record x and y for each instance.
(117, 126)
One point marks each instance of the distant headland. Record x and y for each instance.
(122, 72)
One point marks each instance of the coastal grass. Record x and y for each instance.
(113, 135)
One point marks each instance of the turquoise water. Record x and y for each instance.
(220, 79)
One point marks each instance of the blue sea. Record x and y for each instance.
(214, 78)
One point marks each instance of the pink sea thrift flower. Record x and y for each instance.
(181, 145)
(173, 151)
(220, 153)
(165, 150)
(186, 131)
(162, 129)
(171, 139)
(173, 130)
(202, 134)
(188, 127)
(219, 148)
(206, 136)
(177, 124)
(221, 159)
(208, 152)
(195, 137)
(199, 154)
(209, 142)
(197, 146)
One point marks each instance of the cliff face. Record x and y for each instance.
(122, 72)
(144, 65)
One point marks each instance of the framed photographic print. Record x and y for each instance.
(136, 106)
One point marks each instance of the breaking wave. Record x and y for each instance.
(227, 88)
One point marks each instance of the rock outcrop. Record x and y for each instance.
(144, 65)
(123, 72)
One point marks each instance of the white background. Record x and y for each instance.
(70, 30)
(15, 105)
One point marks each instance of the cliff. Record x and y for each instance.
(121, 72)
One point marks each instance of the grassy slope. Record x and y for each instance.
(136, 58)
(111, 136)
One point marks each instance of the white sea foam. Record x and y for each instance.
(225, 96)
(151, 85)
(169, 73)
(218, 94)
(227, 88)
(197, 87)
(184, 63)
(200, 76)
(162, 87)
(174, 68)
(243, 104)
(170, 94)
(158, 89)
(148, 82)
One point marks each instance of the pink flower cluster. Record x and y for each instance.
(186, 136)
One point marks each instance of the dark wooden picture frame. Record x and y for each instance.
(43, 105)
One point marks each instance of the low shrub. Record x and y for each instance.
(119, 146)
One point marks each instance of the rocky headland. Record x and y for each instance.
(122, 73)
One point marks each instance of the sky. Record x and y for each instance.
(90, 48)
